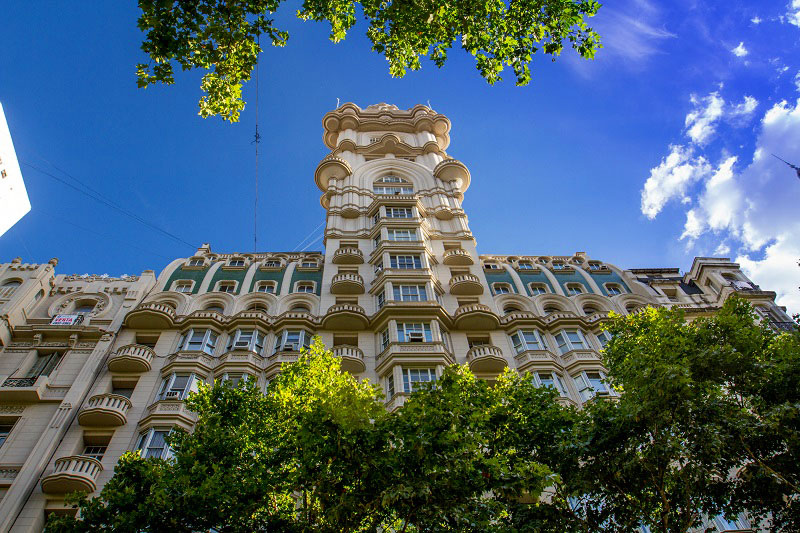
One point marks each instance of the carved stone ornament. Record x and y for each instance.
(11, 409)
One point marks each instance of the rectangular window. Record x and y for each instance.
(5, 432)
(589, 384)
(501, 288)
(199, 340)
(414, 332)
(381, 298)
(292, 340)
(376, 217)
(570, 339)
(95, 452)
(527, 340)
(603, 337)
(268, 287)
(389, 386)
(384, 339)
(537, 289)
(410, 293)
(196, 262)
(376, 241)
(406, 262)
(550, 379)
(272, 264)
(378, 268)
(413, 377)
(378, 189)
(309, 264)
(525, 266)
(247, 339)
(183, 286)
(236, 263)
(402, 235)
(44, 364)
(227, 286)
(574, 289)
(177, 386)
(398, 212)
(154, 444)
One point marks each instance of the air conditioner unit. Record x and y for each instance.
(172, 395)
(291, 347)
(241, 344)
(416, 336)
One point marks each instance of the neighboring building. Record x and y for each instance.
(399, 293)
(14, 202)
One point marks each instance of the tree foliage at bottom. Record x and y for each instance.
(705, 423)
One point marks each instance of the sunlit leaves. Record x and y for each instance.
(222, 36)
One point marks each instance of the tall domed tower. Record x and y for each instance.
(397, 241)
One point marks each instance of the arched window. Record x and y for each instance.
(552, 308)
(8, 288)
(215, 307)
(590, 310)
(573, 289)
(392, 185)
(510, 309)
(537, 288)
(613, 289)
(300, 308)
(258, 307)
(501, 288)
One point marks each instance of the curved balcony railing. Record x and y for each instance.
(131, 358)
(352, 358)
(151, 315)
(347, 283)
(105, 410)
(348, 256)
(457, 256)
(73, 474)
(472, 308)
(466, 285)
(486, 358)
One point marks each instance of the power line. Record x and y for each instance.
(97, 197)
(313, 231)
(312, 242)
(256, 141)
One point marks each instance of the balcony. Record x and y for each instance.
(107, 410)
(168, 413)
(457, 257)
(466, 285)
(486, 359)
(131, 358)
(189, 361)
(347, 283)
(240, 359)
(534, 359)
(575, 357)
(345, 317)
(73, 474)
(429, 353)
(277, 359)
(151, 316)
(475, 317)
(23, 389)
(348, 256)
(352, 358)
(783, 326)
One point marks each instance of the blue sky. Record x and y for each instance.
(654, 153)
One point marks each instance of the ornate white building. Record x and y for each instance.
(91, 367)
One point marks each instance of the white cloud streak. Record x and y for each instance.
(672, 178)
(793, 14)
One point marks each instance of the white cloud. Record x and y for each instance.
(672, 178)
(740, 51)
(756, 20)
(631, 32)
(701, 122)
(755, 207)
(748, 105)
(797, 81)
(777, 271)
(793, 15)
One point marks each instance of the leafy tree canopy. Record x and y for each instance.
(223, 37)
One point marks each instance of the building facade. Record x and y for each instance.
(93, 366)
